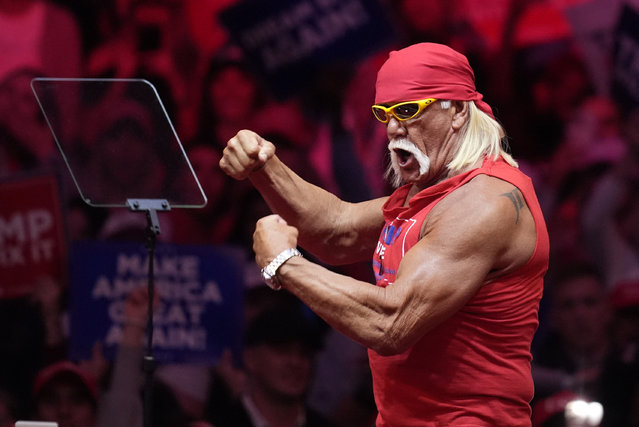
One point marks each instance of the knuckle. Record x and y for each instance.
(231, 145)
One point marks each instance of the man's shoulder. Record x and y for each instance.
(481, 187)
(484, 203)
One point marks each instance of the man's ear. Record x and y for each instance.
(460, 114)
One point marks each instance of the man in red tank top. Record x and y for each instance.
(459, 249)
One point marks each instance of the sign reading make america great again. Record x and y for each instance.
(288, 41)
(200, 290)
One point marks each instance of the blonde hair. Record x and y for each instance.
(481, 136)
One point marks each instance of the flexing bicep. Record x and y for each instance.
(469, 236)
(447, 267)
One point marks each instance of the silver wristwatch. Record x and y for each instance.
(269, 272)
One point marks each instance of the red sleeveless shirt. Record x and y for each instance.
(474, 368)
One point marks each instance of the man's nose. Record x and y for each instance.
(394, 128)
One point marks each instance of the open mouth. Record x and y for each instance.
(403, 156)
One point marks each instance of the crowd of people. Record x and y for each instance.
(578, 143)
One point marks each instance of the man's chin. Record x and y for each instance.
(396, 178)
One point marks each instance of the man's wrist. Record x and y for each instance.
(269, 272)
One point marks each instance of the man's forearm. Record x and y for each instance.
(357, 309)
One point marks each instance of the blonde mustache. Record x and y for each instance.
(393, 171)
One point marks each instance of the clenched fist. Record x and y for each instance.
(245, 153)
(272, 236)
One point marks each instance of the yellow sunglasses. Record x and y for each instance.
(402, 111)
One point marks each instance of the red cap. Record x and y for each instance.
(427, 70)
(47, 374)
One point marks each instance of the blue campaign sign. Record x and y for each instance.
(288, 41)
(625, 80)
(200, 289)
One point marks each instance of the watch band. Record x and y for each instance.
(269, 272)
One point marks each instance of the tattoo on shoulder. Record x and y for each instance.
(515, 197)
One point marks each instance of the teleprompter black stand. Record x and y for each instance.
(97, 124)
(150, 207)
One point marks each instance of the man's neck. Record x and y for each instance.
(446, 174)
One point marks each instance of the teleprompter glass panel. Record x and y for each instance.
(118, 141)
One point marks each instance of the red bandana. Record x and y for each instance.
(427, 70)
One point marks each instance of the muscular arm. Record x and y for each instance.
(335, 231)
(332, 229)
(436, 277)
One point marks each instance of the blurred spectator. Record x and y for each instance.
(231, 99)
(125, 159)
(591, 145)
(65, 394)
(610, 217)
(140, 41)
(550, 82)
(122, 403)
(228, 379)
(369, 139)
(592, 136)
(214, 223)
(578, 343)
(234, 99)
(48, 295)
(32, 335)
(342, 390)
(334, 152)
(26, 141)
(41, 35)
(440, 21)
(204, 24)
(279, 347)
(578, 354)
(151, 40)
(125, 156)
